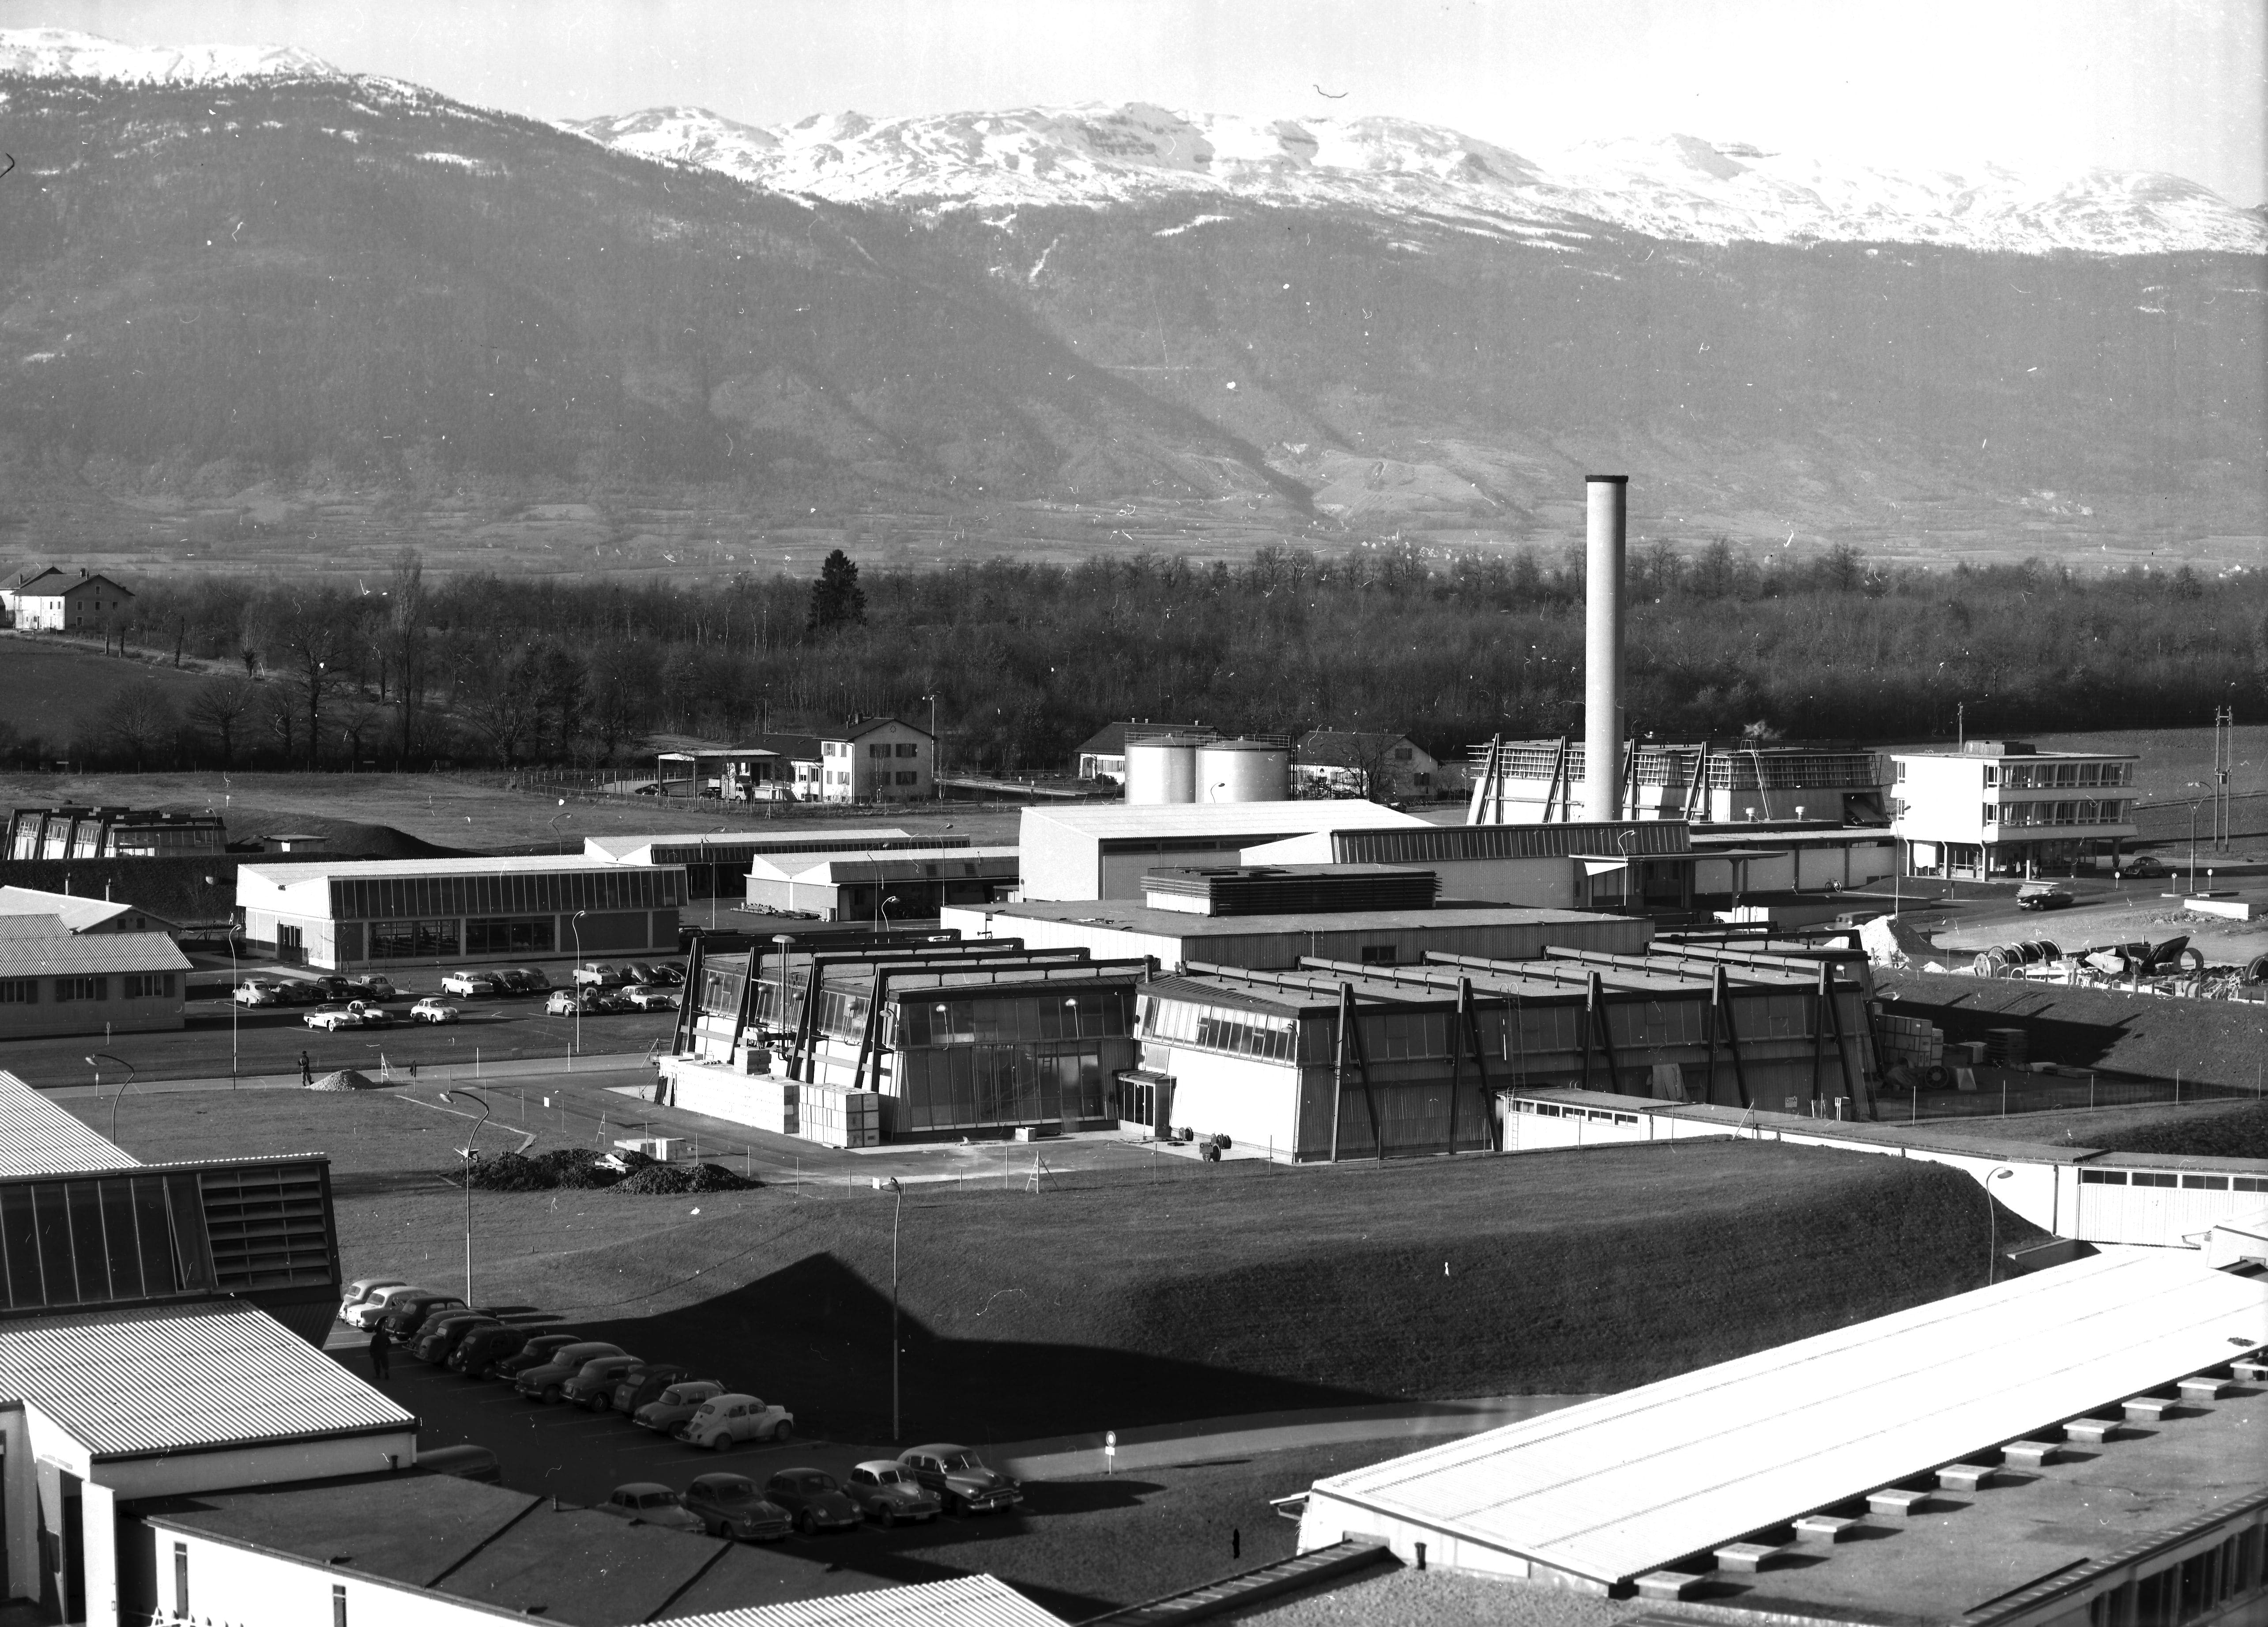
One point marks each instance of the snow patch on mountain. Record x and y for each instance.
(1679, 187)
(66, 54)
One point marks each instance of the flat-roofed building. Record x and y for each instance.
(438, 911)
(716, 862)
(2006, 808)
(1104, 852)
(54, 980)
(883, 885)
(1990, 1448)
(1704, 783)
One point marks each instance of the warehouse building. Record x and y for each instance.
(111, 833)
(439, 911)
(717, 864)
(1541, 782)
(1104, 852)
(54, 980)
(882, 886)
(860, 1043)
(2079, 1446)
(1331, 1060)
(2005, 808)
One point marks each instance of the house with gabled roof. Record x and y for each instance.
(51, 599)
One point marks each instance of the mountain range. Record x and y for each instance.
(252, 306)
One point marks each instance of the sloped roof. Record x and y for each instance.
(30, 575)
(1350, 748)
(979, 1600)
(77, 914)
(39, 945)
(38, 1137)
(154, 1379)
(867, 725)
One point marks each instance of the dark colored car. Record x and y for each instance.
(548, 1383)
(434, 1316)
(2043, 895)
(670, 975)
(480, 1350)
(650, 1503)
(637, 972)
(731, 1506)
(537, 1349)
(405, 1319)
(645, 1382)
(592, 1387)
(534, 977)
(960, 1478)
(436, 1341)
(815, 1499)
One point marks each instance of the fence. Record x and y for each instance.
(2048, 1093)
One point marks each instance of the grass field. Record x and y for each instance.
(55, 691)
(1114, 1303)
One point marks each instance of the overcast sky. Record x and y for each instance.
(2164, 85)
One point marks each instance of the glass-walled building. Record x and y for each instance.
(377, 913)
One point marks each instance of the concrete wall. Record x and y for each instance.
(47, 1015)
(246, 1587)
(1252, 1102)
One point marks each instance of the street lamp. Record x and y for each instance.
(468, 1155)
(898, 1195)
(234, 1005)
(884, 907)
(96, 1062)
(575, 981)
(1992, 1226)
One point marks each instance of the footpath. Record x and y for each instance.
(614, 1064)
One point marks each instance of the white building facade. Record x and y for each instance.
(2005, 809)
(879, 760)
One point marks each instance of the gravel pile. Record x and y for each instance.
(345, 1079)
(659, 1180)
(579, 1169)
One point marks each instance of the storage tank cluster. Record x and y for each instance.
(1180, 767)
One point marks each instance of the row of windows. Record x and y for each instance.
(92, 1242)
(1221, 1029)
(554, 892)
(534, 935)
(412, 940)
(2083, 813)
(1552, 1109)
(2045, 776)
(1029, 1014)
(2165, 1178)
(978, 1087)
(2202, 1584)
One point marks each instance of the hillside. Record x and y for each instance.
(297, 319)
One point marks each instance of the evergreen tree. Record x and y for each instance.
(836, 599)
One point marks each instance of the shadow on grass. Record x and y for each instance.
(818, 1335)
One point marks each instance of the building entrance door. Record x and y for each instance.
(291, 945)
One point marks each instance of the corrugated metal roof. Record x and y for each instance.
(150, 1380)
(77, 914)
(1143, 822)
(37, 1138)
(1625, 1484)
(964, 1601)
(761, 841)
(380, 869)
(1646, 838)
(70, 954)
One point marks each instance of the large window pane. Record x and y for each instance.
(54, 1222)
(19, 1243)
(155, 1234)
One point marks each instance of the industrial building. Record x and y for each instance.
(1333, 1059)
(55, 981)
(337, 914)
(111, 833)
(858, 1042)
(52, 600)
(717, 864)
(1102, 755)
(1538, 782)
(2076, 1446)
(1104, 852)
(2006, 808)
(880, 885)
(1174, 768)
(82, 914)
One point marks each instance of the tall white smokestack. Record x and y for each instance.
(1602, 646)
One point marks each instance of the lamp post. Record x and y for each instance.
(1992, 1226)
(898, 1196)
(574, 926)
(234, 1005)
(96, 1062)
(2193, 813)
(885, 907)
(468, 1155)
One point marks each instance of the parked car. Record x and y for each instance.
(509, 980)
(479, 1351)
(373, 986)
(366, 1314)
(959, 1477)
(547, 1381)
(671, 975)
(533, 1352)
(2045, 896)
(298, 991)
(403, 1318)
(532, 976)
(676, 1404)
(332, 986)
(469, 985)
(643, 1383)
(603, 1002)
(728, 1419)
(373, 1016)
(431, 1010)
(437, 1338)
(885, 1492)
(598, 974)
(592, 1387)
(637, 972)
(561, 1004)
(650, 1503)
(258, 991)
(2143, 866)
(366, 1290)
(815, 1499)
(465, 1462)
(646, 997)
(331, 1018)
(731, 1506)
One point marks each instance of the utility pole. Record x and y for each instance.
(2223, 759)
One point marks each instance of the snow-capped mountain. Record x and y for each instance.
(64, 54)
(1678, 186)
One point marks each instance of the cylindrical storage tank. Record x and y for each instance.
(1243, 771)
(1162, 768)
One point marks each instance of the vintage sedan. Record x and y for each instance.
(731, 1506)
(258, 991)
(479, 1351)
(331, 1018)
(885, 1492)
(726, 1420)
(440, 1336)
(815, 1499)
(365, 1291)
(649, 1503)
(643, 1383)
(642, 998)
(547, 1381)
(960, 1478)
(432, 1010)
(380, 1301)
(534, 1352)
(676, 1405)
(470, 985)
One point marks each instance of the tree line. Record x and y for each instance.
(1025, 660)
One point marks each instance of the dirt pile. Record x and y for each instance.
(580, 1169)
(345, 1079)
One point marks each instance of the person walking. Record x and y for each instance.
(307, 1069)
(381, 1352)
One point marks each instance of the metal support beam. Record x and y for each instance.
(1721, 997)
(1338, 1064)
(1362, 1071)
(1598, 1006)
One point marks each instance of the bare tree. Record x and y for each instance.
(309, 635)
(358, 721)
(138, 722)
(220, 712)
(502, 698)
(405, 632)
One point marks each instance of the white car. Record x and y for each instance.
(726, 1420)
(468, 985)
(598, 974)
(382, 1300)
(331, 1018)
(364, 1290)
(257, 992)
(431, 1010)
(643, 998)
